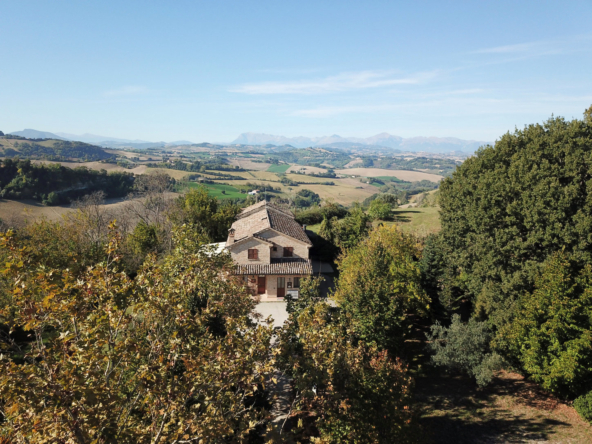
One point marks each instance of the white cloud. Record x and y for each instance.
(338, 83)
(541, 47)
(131, 90)
(508, 49)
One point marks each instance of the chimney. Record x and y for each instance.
(304, 227)
(231, 233)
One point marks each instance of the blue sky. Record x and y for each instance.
(207, 71)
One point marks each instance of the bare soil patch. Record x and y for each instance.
(248, 164)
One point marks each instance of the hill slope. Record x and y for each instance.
(50, 149)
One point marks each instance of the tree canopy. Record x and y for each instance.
(506, 210)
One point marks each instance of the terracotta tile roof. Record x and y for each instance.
(277, 266)
(238, 241)
(287, 225)
(262, 215)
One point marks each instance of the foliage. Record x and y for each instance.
(352, 392)
(20, 179)
(316, 215)
(379, 287)
(212, 216)
(551, 335)
(583, 405)
(465, 347)
(144, 238)
(115, 360)
(348, 231)
(380, 210)
(57, 150)
(510, 207)
(306, 198)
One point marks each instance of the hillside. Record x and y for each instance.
(50, 149)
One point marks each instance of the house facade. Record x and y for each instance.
(270, 250)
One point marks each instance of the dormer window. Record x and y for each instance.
(288, 251)
(253, 253)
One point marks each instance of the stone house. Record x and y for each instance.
(271, 251)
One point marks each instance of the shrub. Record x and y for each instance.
(583, 406)
(379, 210)
(465, 347)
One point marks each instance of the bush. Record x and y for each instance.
(583, 406)
(465, 347)
(316, 215)
(379, 210)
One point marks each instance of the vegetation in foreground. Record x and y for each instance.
(145, 320)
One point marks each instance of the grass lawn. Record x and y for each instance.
(278, 168)
(422, 221)
(216, 190)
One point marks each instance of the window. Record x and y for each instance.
(253, 253)
(288, 251)
(296, 282)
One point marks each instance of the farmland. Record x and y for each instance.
(221, 191)
(278, 168)
(410, 176)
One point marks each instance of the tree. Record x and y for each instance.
(379, 210)
(588, 115)
(108, 359)
(201, 210)
(551, 336)
(345, 391)
(465, 347)
(505, 211)
(379, 287)
(351, 229)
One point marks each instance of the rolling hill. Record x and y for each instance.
(50, 149)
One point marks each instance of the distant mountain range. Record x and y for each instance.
(104, 141)
(383, 140)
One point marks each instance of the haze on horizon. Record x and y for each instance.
(209, 72)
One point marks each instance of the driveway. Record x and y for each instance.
(277, 310)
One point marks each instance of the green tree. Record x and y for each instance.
(348, 231)
(551, 335)
(379, 210)
(144, 238)
(588, 115)
(379, 287)
(510, 207)
(201, 210)
(465, 347)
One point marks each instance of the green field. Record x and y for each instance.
(278, 168)
(216, 189)
(388, 179)
(422, 221)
